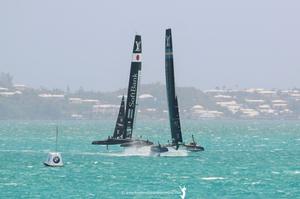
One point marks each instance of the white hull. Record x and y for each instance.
(54, 160)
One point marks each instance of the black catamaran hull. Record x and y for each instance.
(112, 141)
(123, 142)
(137, 143)
(157, 149)
(193, 148)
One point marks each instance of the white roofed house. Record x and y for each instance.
(198, 111)
(232, 106)
(282, 107)
(51, 96)
(76, 116)
(266, 109)
(2, 89)
(250, 113)
(223, 97)
(278, 101)
(7, 93)
(105, 108)
(90, 101)
(151, 109)
(255, 101)
(210, 114)
(197, 107)
(267, 92)
(147, 99)
(146, 96)
(295, 96)
(75, 100)
(214, 91)
(20, 87)
(279, 104)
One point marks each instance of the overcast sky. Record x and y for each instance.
(88, 43)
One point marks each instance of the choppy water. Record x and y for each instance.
(243, 159)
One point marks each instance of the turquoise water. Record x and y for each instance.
(243, 159)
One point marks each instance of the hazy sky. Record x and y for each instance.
(88, 43)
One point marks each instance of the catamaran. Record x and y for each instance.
(126, 118)
(174, 118)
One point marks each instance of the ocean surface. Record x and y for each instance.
(242, 159)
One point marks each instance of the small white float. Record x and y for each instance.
(54, 159)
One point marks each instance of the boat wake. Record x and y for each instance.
(175, 153)
(146, 151)
(24, 151)
(212, 178)
(133, 151)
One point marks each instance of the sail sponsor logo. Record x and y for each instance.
(168, 39)
(138, 45)
(130, 114)
(133, 90)
(136, 57)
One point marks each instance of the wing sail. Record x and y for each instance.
(119, 128)
(171, 93)
(131, 102)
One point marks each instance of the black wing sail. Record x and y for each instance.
(135, 69)
(171, 95)
(119, 129)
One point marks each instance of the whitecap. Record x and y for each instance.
(212, 178)
(277, 149)
(295, 172)
(107, 163)
(20, 151)
(10, 184)
(254, 183)
(185, 177)
(82, 153)
(275, 172)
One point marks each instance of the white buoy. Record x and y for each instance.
(54, 159)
